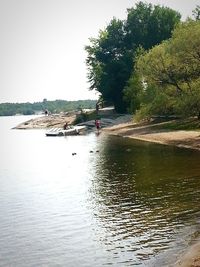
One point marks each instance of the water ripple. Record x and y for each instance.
(95, 209)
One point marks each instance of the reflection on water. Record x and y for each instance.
(116, 202)
(143, 197)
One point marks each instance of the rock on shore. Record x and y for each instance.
(51, 121)
(58, 121)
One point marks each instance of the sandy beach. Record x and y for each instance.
(191, 258)
(155, 133)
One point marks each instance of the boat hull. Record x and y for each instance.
(76, 130)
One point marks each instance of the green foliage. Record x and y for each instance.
(57, 106)
(108, 64)
(181, 124)
(196, 13)
(132, 93)
(154, 102)
(148, 25)
(173, 67)
(85, 116)
(189, 104)
(144, 113)
(111, 56)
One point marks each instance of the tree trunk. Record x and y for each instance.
(198, 116)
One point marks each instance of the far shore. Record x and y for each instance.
(124, 126)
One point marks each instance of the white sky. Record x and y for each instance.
(42, 44)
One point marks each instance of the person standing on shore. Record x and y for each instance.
(97, 124)
(46, 112)
(65, 126)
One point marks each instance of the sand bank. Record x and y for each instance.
(155, 133)
(191, 258)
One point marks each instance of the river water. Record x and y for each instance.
(117, 202)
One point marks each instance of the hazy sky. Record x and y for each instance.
(42, 44)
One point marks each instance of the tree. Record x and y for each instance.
(108, 64)
(110, 58)
(132, 93)
(173, 68)
(149, 25)
(196, 12)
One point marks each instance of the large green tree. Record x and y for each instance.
(110, 57)
(173, 70)
(108, 63)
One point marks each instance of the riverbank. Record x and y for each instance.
(108, 118)
(191, 258)
(157, 133)
(123, 125)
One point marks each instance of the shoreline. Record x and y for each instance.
(154, 133)
(191, 258)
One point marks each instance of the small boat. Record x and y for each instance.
(71, 130)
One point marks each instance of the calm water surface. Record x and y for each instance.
(117, 202)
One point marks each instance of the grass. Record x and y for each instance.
(188, 124)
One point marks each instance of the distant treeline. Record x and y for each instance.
(57, 106)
